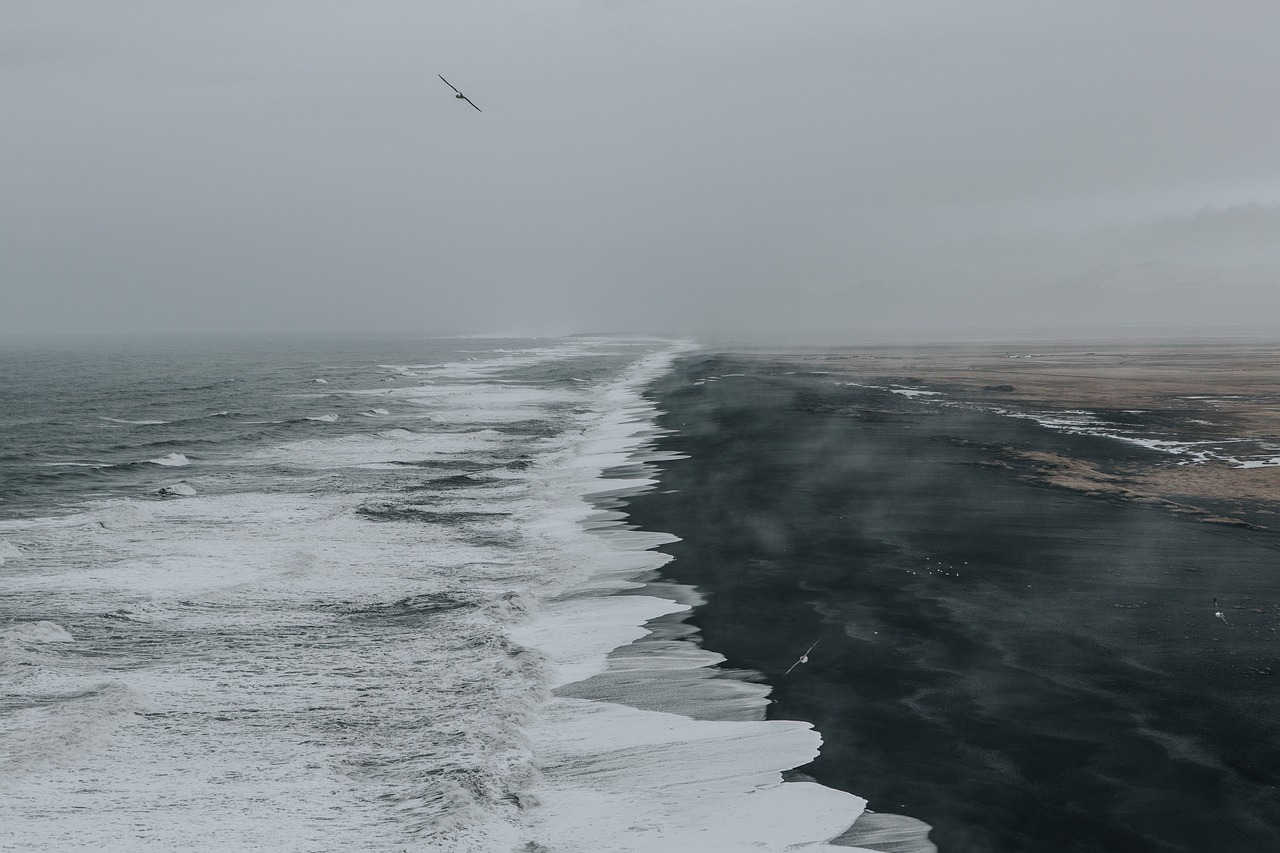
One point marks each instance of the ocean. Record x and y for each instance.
(326, 595)
(551, 596)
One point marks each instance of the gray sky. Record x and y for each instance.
(640, 165)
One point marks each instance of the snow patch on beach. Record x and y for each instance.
(1260, 463)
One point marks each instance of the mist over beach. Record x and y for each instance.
(703, 426)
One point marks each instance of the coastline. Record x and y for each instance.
(640, 746)
(1016, 662)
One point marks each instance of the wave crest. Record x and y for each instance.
(34, 633)
(173, 460)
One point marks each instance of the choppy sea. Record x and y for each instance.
(320, 596)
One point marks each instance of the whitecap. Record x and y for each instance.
(42, 631)
(9, 551)
(140, 423)
(119, 515)
(452, 734)
(60, 730)
(172, 460)
(179, 489)
(329, 418)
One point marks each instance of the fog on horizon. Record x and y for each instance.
(678, 168)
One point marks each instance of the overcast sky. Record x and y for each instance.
(639, 165)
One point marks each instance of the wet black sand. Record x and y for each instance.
(1025, 668)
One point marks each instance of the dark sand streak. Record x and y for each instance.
(1023, 666)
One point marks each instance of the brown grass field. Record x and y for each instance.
(1210, 391)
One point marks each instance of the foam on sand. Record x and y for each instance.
(622, 778)
(675, 783)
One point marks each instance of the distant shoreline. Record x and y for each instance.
(1212, 405)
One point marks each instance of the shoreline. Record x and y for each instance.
(1009, 660)
(1212, 405)
(639, 746)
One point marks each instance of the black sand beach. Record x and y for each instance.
(1022, 666)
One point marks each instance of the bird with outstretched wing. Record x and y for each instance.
(1217, 611)
(804, 658)
(459, 95)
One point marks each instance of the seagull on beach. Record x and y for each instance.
(459, 95)
(1217, 611)
(804, 658)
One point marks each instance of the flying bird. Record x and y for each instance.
(804, 658)
(1218, 612)
(459, 95)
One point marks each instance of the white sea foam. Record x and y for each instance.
(329, 418)
(179, 489)
(403, 369)
(672, 783)
(55, 731)
(329, 655)
(111, 515)
(139, 423)
(625, 779)
(172, 459)
(42, 631)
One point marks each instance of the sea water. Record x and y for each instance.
(330, 596)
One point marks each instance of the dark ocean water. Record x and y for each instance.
(1021, 667)
(97, 418)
